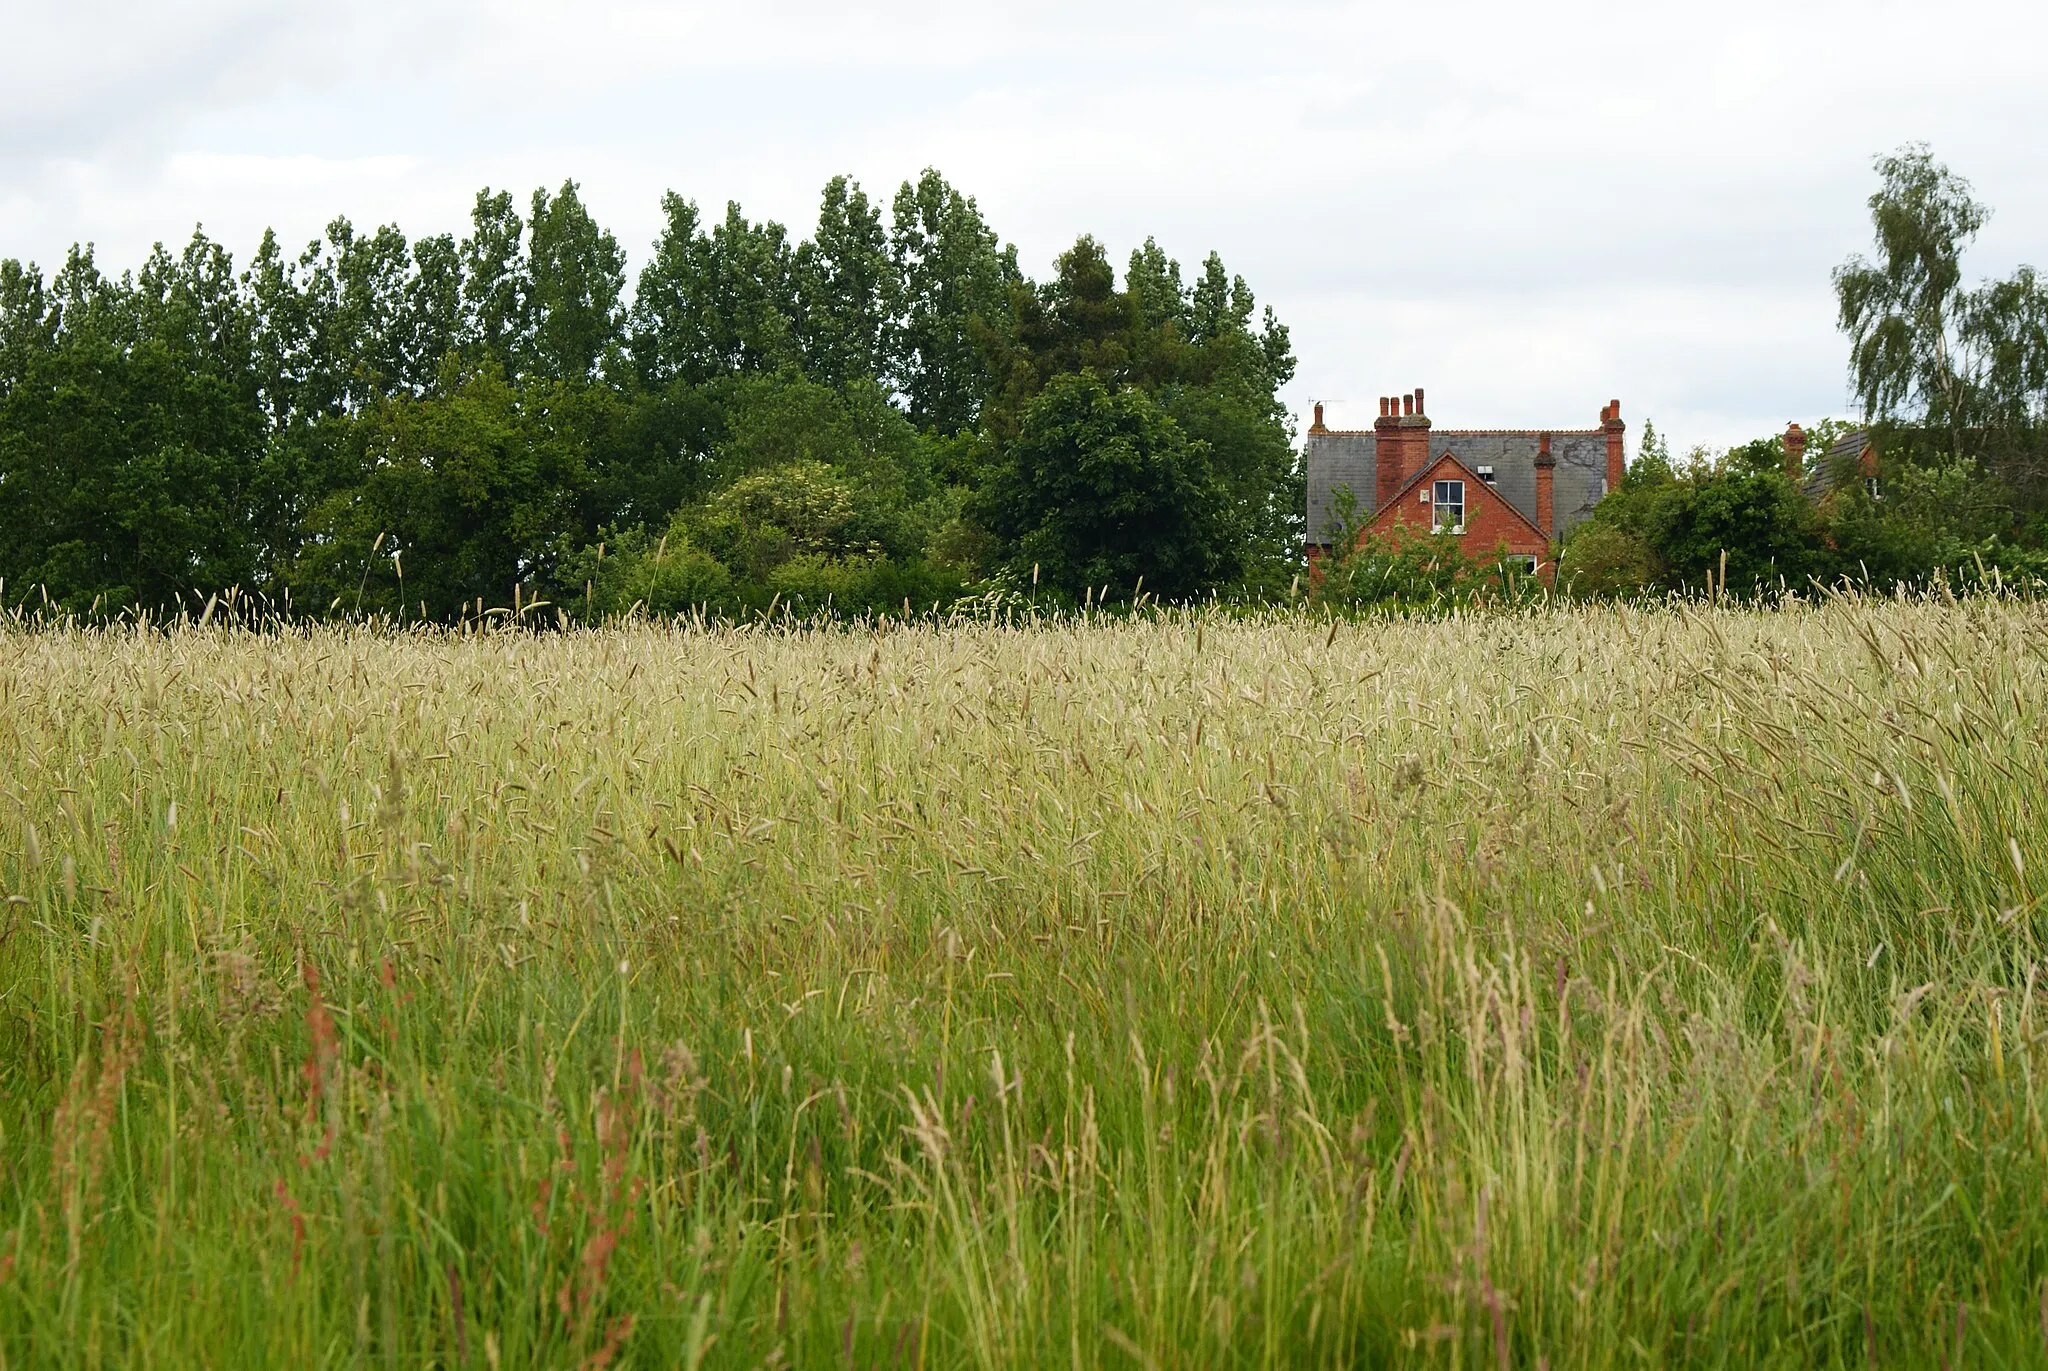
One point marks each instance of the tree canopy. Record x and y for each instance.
(426, 427)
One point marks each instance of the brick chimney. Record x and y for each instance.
(1401, 444)
(1795, 453)
(1546, 467)
(1387, 447)
(1317, 426)
(1617, 463)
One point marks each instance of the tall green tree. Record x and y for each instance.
(956, 279)
(497, 283)
(578, 274)
(1968, 364)
(454, 498)
(1102, 489)
(28, 321)
(848, 289)
(1202, 356)
(717, 303)
(1906, 312)
(131, 438)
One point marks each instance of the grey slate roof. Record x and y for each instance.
(1336, 459)
(1842, 462)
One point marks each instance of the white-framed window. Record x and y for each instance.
(1448, 516)
(1520, 563)
(1870, 485)
(1486, 475)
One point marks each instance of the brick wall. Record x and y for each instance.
(1490, 521)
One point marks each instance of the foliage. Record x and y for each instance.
(1971, 365)
(1739, 528)
(1601, 560)
(956, 281)
(1731, 523)
(132, 464)
(451, 499)
(1102, 491)
(438, 427)
(1195, 356)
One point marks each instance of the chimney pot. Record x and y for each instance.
(1418, 399)
(1407, 404)
(1795, 451)
(1319, 415)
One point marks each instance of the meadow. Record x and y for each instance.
(1579, 986)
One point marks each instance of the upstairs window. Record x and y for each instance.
(1448, 512)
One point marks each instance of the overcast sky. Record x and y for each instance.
(1528, 209)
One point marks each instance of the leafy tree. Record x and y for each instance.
(1101, 488)
(715, 304)
(1600, 560)
(955, 280)
(578, 274)
(1905, 313)
(848, 289)
(798, 509)
(669, 333)
(28, 321)
(1747, 530)
(497, 283)
(1679, 528)
(432, 322)
(643, 574)
(778, 428)
(1653, 453)
(353, 319)
(1200, 359)
(1970, 365)
(1078, 321)
(455, 498)
(130, 435)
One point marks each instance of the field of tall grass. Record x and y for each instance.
(1577, 987)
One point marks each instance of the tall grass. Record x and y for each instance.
(1582, 987)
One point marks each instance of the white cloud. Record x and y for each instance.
(1528, 209)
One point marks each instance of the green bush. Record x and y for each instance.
(1601, 561)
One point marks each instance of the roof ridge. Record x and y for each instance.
(1518, 432)
(1467, 432)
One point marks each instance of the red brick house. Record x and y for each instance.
(1513, 490)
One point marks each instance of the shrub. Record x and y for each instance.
(1601, 561)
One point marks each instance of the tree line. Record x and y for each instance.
(885, 413)
(884, 416)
